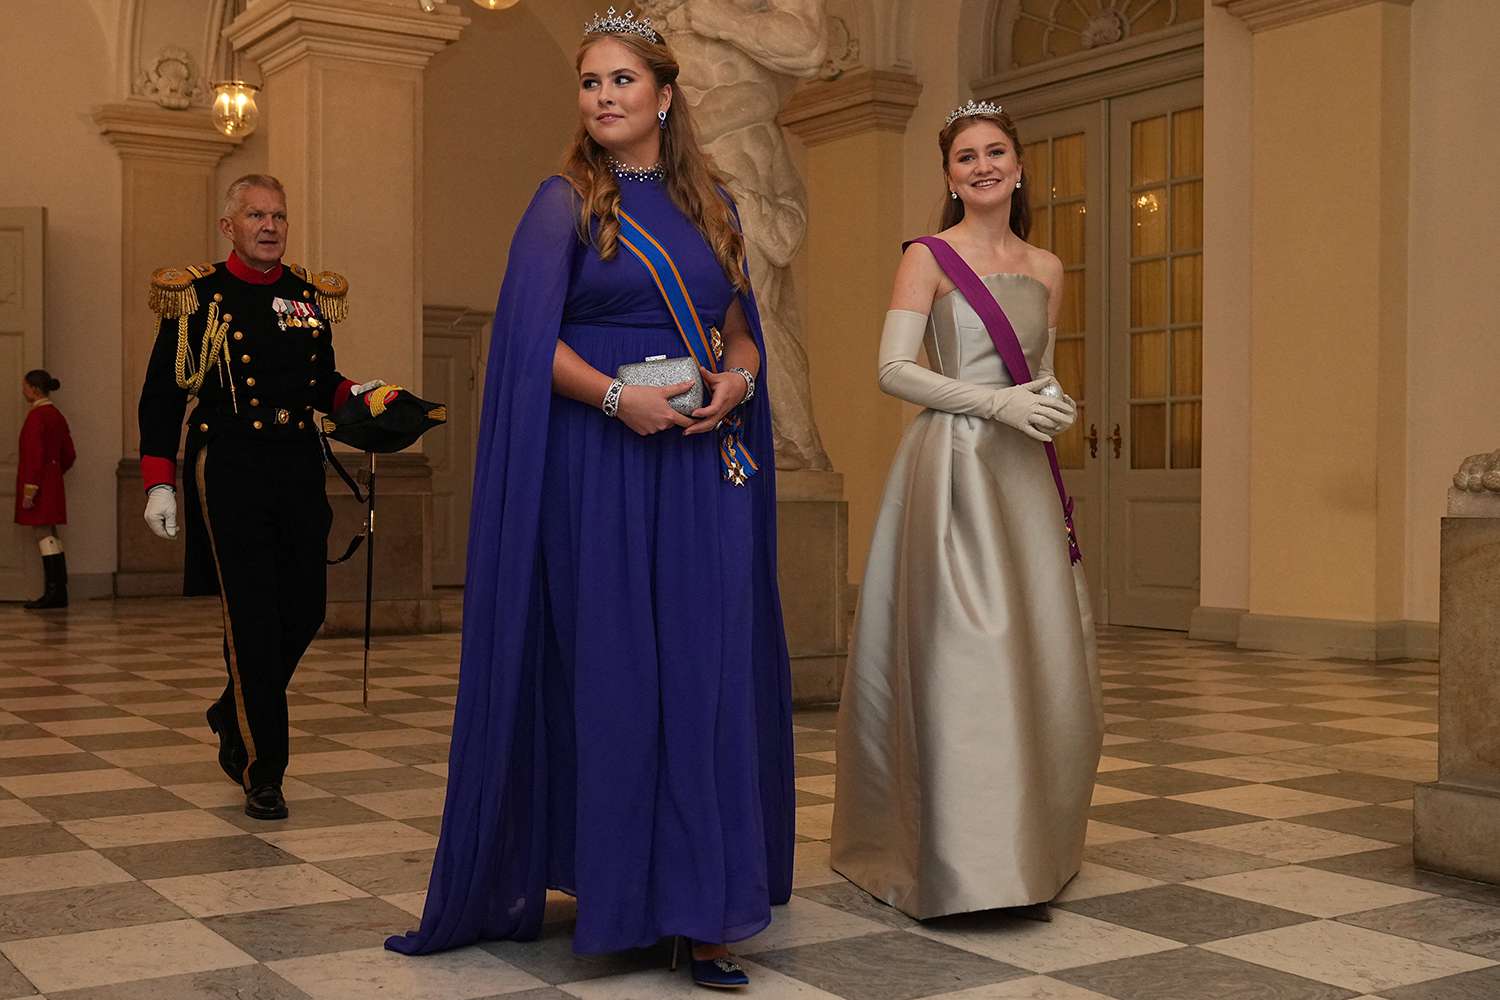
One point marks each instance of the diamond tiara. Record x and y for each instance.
(620, 24)
(972, 107)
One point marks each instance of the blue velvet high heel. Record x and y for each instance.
(714, 973)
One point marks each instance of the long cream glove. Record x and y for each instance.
(1046, 371)
(1016, 405)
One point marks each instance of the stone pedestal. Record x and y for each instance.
(147, 566)
(403, 596)
(1457, 817)
(812, 522)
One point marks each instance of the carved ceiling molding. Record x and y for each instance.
(278, 33)
(1030, 33)
(843, 49)
(1160, 58)
(1260, 15)
(172, 80)
(865, 100)
(175, 68)
(137, 129)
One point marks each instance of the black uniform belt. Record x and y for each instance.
(265, 419)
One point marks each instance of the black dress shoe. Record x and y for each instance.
(232, 754)
(265, 802)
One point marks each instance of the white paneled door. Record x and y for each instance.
(1117, 194)
(21, 279)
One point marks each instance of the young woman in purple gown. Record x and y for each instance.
(623, 727)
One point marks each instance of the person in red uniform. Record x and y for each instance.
(46, 452)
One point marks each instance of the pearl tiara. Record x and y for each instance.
(970, 108)
(617, 24)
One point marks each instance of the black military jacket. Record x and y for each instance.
(256, 359)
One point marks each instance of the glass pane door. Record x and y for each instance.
(1156, 343)
(1057, 168)
(1166, 290)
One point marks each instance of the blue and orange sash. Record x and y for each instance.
(705, 346)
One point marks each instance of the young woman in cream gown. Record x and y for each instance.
(970, 725)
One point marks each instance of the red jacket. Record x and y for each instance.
(46, 453)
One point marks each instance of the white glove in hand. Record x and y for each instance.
(361, 389)
(161, 511)
(1038, 417)
(1062, 397)
(1046, 375)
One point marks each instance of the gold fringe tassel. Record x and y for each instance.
(331, 290)
(171, 303)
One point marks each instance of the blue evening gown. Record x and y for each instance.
(623, 727)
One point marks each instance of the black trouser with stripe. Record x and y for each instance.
(268, 519)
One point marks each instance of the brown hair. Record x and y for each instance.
(693, 183)
(42, 381)
(1020, 198)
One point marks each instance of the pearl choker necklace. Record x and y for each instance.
(655, 172)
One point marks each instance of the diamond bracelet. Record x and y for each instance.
(611, 404)
(749, 384)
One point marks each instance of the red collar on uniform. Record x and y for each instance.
(250, 275)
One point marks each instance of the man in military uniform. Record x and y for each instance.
(250, 339)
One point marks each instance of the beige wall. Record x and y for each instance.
(1453, 363)
(1323, 109)
(500, 111)
(853, 251)
(54, 157)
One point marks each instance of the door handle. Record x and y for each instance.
(1093, 440)
(1115, 439)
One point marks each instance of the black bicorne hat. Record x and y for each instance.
(390, 421)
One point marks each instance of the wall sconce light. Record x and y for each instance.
(496, 4)
(234, 111)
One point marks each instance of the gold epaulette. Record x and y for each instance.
(331, 290)
(172, 293)
(300, 272)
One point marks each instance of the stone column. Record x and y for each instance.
(1330, 98)
(1457, 817)
(169, 195)
(1224, 535)
(855, 232)
(342, 106)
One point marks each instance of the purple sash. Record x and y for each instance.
(1009, 348)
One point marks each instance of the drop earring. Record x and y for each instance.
(953, 195)
(1018, 183)
(661, 118)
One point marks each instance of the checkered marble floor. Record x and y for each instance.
(1250, 839)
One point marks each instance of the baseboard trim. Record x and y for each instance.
(88, 586)
(1454, 830)
(1215, 624)
(147, 583)
(1374, 641)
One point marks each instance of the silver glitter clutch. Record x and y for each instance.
(662, 370)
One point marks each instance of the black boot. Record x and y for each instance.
(55, 589)
(232, 754)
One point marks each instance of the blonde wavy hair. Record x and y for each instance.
(694, 184)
